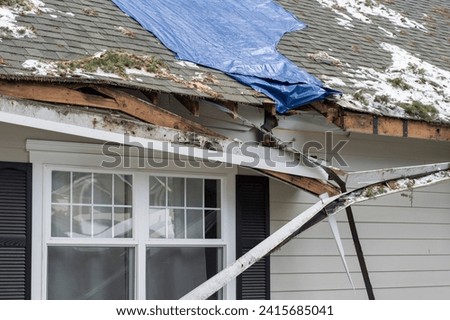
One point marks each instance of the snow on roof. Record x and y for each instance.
(361, 10)
(9, 26)
(409, 87)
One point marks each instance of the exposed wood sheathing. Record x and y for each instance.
(115, 100)
(358, 122)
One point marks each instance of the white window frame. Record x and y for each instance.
(47, 156)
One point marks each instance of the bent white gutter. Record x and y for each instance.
(331, 206)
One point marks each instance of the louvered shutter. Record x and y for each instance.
(15, 240)
(252, 207)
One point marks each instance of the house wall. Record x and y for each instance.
(405, 237)
(13, 139)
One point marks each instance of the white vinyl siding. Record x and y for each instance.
(405, 237)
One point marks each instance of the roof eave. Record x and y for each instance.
(378, 124)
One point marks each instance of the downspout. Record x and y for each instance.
(356, 242)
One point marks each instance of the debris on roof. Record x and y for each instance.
(324, 57)
(115, 64)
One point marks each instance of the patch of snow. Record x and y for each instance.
(360, 10)
(40, 68)
(101, 73)
(204, 77)
(420, 81)
(199, 76)
(9, 26)
(332, 81)
(187, 64)
(37, 6)
(99, 54)
(8, 15)
(134, 71)
(347, 24)
(387, 32)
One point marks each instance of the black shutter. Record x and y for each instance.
(15, 226)
(252, 226)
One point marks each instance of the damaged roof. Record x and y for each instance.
(388, 57)
(57, 41)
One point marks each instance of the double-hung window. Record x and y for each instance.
(127, 233)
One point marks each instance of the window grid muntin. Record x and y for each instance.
(167, 208)
(71, 204)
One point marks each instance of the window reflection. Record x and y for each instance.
(173, 272)
(96, 205)
(192, 209)
(88, 273)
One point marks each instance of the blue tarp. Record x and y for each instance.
(237, 37)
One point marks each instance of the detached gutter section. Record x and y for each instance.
(329, 206)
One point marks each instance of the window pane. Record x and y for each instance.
(194, 224)
(60, 187)
(103, 188)
(173, 272)
(87, 273)
(176, 192)
(81, 222)
(60, 221)
(158, 191)
(212, 224)
(157, 223)
(82, 187)
(194, 192)
(212, 193)
(123, 223)
(103, 222)
(176, 224)
(122, 189)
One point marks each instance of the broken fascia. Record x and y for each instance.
(361, 179)
(332, 206)
(282, 145)
(106, 127)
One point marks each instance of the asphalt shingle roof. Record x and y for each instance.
(71, 30)
(359, 47)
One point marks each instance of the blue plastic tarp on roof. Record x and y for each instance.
(237, 37)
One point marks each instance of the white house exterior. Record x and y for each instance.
(101, 200)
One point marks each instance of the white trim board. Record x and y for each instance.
(88, 124)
